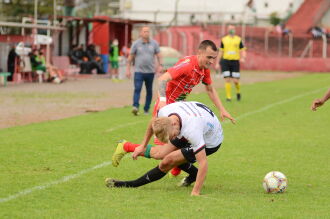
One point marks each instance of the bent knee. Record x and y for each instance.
(156, 154)
(167, 164)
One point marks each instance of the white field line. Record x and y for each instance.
(124, 125)
(107, 163)
(278, 103)
(47, 185)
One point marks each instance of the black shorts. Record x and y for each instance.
(188, 152)
(230, 68)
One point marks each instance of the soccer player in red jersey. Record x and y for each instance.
(176, 84)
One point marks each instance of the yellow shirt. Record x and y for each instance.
(231, 47)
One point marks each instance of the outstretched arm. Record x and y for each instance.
(201, 174)
(319, 102)
(217, 102)
(147, 136)
(162, 82)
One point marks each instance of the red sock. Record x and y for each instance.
(130, 147)
(175, 171)
(157, 142)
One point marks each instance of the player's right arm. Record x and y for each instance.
(147, 136)
(129, 64)
(201, 174)
(319, 102)
(162, 83)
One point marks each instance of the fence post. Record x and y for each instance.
(311, 48)
(266, 41)
(324, 47)
(290, 44)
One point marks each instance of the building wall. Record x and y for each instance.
(224, 10)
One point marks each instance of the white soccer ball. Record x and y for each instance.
(275, 182)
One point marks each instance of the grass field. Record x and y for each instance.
(57, 169)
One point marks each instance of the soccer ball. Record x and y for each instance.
(275, 182)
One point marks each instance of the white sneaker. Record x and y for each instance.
(135, 111)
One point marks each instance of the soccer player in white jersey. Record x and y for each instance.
(191, 132)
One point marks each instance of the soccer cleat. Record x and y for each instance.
(228, 100)
(119, 153)
(238, 97)
(185, 182)
(110, 183)
(135, 111)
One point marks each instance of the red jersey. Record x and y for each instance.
(186, 74)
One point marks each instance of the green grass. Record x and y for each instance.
(287, 137)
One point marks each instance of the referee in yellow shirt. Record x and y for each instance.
(231, 52)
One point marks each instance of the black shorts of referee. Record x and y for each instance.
(230, 68)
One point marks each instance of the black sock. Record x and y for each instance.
(150, 176)
(191, 170)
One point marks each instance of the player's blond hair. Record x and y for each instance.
(161, 127)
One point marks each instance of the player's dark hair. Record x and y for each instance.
(207, 43)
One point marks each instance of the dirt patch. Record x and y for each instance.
(32, 102)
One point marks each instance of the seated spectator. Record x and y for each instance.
(95, 59)
(317, 31)
(38, 61)
(78, 56)
(55, 75)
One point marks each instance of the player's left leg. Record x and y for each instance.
(238, 88)
(236, 76)
(171, 160)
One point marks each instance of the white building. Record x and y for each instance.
(210, 11)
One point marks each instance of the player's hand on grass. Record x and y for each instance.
(316, 103)
(224, 114)
(138, 151)
(195, 193)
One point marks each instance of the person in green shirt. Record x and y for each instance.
(113, 58)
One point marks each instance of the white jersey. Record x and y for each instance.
(199, 126)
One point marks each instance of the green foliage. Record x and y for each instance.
(274, 131)
(274, 19)
(16, 9)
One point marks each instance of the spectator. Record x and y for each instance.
(78, 56)
(125, 50)
(113, 58)
(38, 61)
(143, 54)
(94, 59)
(11, 62)
(55, 75)
(317, 31)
